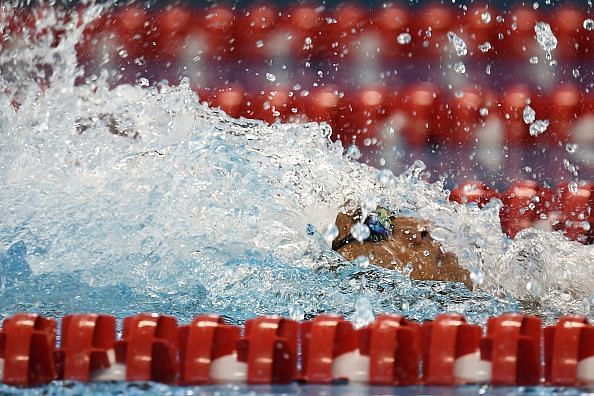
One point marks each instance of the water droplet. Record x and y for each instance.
(534, 287)
(331, 233)
(573, 187)
(307, 43)
(270, 77)
(485, 47)
(369, 204)
(353, 152)
(360, 231)
(363, 314)
(143, 82)
(426, 253)
(570, 167)
(486, 17)
(362, 261)
(571, 147)
(534, 60)
(588, 24)
(296, 312)
(408, 269)
(123, 53)
(477, 277)
(529, 115)
(403, 38)
(484, 111)
(385, 176)
(576, 73)
(588, 303)
(539, 127)
(415, 170)
(460, 68)
(259, 44)
(459, 44)
(545, 37)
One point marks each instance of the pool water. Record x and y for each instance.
(123, 199)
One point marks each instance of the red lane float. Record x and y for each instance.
(269, 348)
(148, 348)
(214, 352)
(467, 111)
(232, 99)
(512, 345)
(577, 203)
(517, 32)
(387, 24)
(387, 352)
(475, 192)
(519, 209)
(320, 104)
(340, 36)
(87, 346)
(422, 106)
(569, 208)
(478, 28)
(569, 352)
(207, 351)
(27, 346)
(272, 105)
(451, 352)
(393, 345)
(254, 38)
(562, 107)
(301, 26)
(567, 25)
(360, 113)
(172, 24)
(429, 33)
(390, 351)
(132, 26)
(207, 37)
(330, 351)
(348, 31)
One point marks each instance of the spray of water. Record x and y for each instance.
(138, 198)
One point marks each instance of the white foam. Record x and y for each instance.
(146, 188)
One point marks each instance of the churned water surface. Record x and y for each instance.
(128, 198)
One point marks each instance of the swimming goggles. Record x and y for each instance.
(380, 227)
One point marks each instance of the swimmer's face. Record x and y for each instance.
(408, 244)
(413, 243)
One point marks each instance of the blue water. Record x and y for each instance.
(293, 389)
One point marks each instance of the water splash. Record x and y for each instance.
(538, 127)
(135, 198)
(403, 38)
(459, 44)
(545, 37)
(529, 115)
(485, 47)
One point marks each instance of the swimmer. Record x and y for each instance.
(395, 242)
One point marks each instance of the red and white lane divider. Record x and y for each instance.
(569, 208)
(467, 118)
(348, 32)
(391, 351)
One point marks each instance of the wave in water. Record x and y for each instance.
(132, 198)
